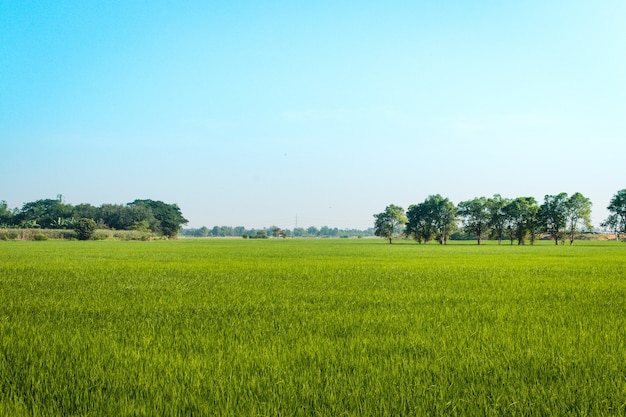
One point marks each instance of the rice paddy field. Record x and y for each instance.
(320, 327)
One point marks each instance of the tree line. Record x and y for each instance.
(274, 231)
(144, 215)
(560, 217)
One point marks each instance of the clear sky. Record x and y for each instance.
(255, 113)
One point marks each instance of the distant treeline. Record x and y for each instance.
(560, 217)
(274, 231)
(143, 215)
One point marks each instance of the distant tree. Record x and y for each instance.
(443, 216)
(553, 215)
(169, 218)
(276, 231)
(435, 217)
(388, 223)
(475, 215)
(85, 228)
(577, 213)
(419, 223)
(617, 219)
(312, 231)
(47, 213)
(532, 220)
(521, 217)
(497, 216)
(7, 215)
(120, 217)
(85, 211)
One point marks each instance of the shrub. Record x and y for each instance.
(84, 228)
(40, 237)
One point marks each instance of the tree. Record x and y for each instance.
(497, 216)
(444, 217)
(388, 222)
(312, 231)
(435, 217)
(522, 218)
(553, 215)
(577, 213)
(85, 211)
(419, 223)
(475, 215)
(276, 231)
(6, 214)
(617, 219)
(47, 213)
(169, 218)
(84, 228)
(120, 217)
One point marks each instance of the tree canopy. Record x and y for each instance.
(387, 223)
(617, 219)
(149, 215)
(519, 219)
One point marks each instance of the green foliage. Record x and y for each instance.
(553, 215)
(311, 327)
(388, 223)
(85, 228)
(168, 218)
(436, 218)
(47, 214)
(577, 213)
(144, 215)
(617, 219)
(475, 215)
(6, 214)
(497, 216)
(522, 219)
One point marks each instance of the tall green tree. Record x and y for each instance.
(46, 213)
(7, 215)
(419, 223)
(85, 211)
(445, 217)
(169, 218)
(617, 218)
(388, 223)
(435, 217)
(522, 218)
(553, 215)
(475, 216)
(497, 216)
(577, 214)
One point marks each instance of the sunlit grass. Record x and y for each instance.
(311, 327)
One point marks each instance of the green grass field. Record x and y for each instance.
(341, 327)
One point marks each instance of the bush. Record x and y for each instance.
(84, 228)
(40, 237)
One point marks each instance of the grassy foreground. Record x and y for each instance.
(311, 327)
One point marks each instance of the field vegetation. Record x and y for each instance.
(341, 327)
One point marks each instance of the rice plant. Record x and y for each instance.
(311, 327)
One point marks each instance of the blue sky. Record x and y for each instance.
(253, 113)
